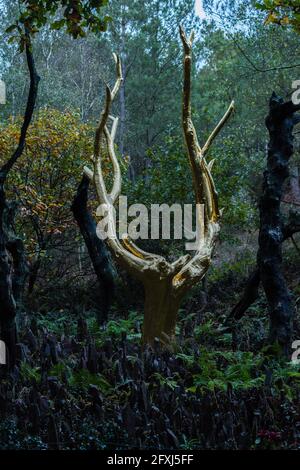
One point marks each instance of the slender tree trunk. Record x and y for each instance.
(97, 250)
(12, 258)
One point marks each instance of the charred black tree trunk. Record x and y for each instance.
(280, 123)
(13, 266)
(97, 250)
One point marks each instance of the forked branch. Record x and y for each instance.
(205, 192)
(204, 187)
(165, 283)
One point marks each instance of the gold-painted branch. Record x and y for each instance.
(114, 127)
(102, 123)
(117, 184)
(218, 128)
(119, 76)
(137, 251)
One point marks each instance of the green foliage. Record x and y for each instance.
(75, 16)
(168, 177)
(83, 379)
(242, 370)
(62, 371)
(282, 12)
(210, 330)
(232, 173)
(116, 328)
(57, 323)
(44, 181)
(219, 369)
(29, 373)
(168, 382)
(80, 379)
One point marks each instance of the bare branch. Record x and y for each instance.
(89, 173)
(132, 257)
(102, 123)
(210, 165)
(119, 75)
(103, 131)
(117, 185)
(188, 127)
(137, 251)
(194, 269)
(218, 128)
(114, 127)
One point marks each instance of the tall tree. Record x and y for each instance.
(12, 259)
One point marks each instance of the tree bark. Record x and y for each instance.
(280, 123)
(13, 267)
(293, 195)
(97, 250)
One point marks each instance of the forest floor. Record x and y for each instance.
(78, 386)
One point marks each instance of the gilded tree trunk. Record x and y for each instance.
(160, 311)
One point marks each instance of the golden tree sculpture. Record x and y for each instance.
(165, 283)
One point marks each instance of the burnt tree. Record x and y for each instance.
(13, 266)
(273, 231)
(97, 250)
